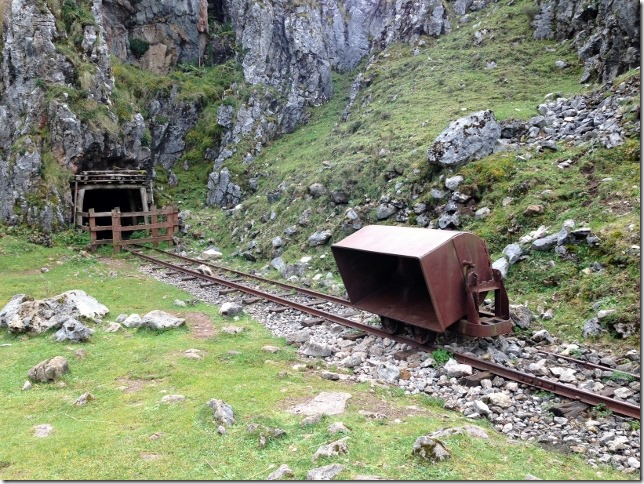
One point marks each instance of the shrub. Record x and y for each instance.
(139, 47)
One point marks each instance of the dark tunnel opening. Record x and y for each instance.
(105, 200)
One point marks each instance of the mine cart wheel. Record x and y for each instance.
(390, 326)
(422, 335)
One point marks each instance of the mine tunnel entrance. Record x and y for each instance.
(103, 191)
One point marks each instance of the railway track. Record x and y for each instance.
(340, 311)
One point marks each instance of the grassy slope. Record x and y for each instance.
(408, 102)
(109, 438)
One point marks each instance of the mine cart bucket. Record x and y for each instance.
(427, 278)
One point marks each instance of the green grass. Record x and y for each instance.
(128, 373)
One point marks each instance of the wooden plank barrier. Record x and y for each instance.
(166, 219)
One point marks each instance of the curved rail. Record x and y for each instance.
(617, 406)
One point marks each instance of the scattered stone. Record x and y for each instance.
(502, 265)
(513, 252)
(455, 369)
(591, 328)
(329, 375)
(319, 238)
(194, 354)
(521, 315)
(542, 336)
(482, 213)
(324, 473)
(317, 190)
(534, 209)
(387, 372)
(74, 331)
(271, 349)
(43, 430)
(333, 449)
(312, 348)
(232, 329)
(301, 336)
(211, 254)
(180, 303)
(230, 309)
(84, 398)
(221, 430)
(173, 399)
(222, 412)
(160, 320)
(205, 270)
(500, 399)
(113, 327)
(311, 420)
(430, 449)
(80, 353)
(466, 139)
(26, 386)
(49, 370)
(132, 321)
(338, 428)
(22, 314)
(282, 472)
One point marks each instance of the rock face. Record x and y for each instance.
(293, 47)
(47, 94)
(44, 125)
(173, 31)
(606, 33)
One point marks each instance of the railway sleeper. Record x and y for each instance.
(250, 300)
(277, 309)
(307, 323)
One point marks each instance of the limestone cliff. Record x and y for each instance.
(62, 111)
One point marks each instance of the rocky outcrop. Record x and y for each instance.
(293, 48)
(167, 33)
(606, 33)
(58, 114)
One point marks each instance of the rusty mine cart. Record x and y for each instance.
(423, 280)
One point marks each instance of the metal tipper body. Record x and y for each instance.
(426, 278)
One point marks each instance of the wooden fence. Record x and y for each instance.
(161, 224)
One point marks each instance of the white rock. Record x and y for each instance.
(133, 321)
(211, 254)
(173, 399)
(230, 309)
(500, 399)
(160, 320)
(455, 369)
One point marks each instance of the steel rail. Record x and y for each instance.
(301, 290)
(588, 364)
(269, 297)
(617, 406)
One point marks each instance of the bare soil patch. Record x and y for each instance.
(200, 325)
(131, 386)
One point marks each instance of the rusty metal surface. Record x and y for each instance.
(413, 275)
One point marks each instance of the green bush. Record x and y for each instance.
(139, 47)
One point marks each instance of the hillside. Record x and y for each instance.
(373, 168)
